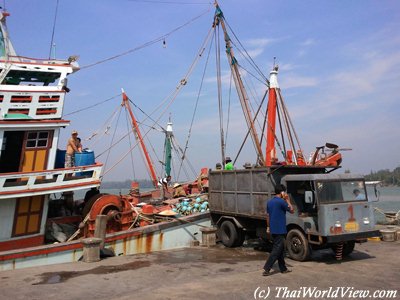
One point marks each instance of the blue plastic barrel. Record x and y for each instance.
(60, 159)
(84, 158)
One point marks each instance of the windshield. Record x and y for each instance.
(341, 191)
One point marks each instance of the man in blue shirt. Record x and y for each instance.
(276, 222)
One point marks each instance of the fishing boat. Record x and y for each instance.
(32, 97)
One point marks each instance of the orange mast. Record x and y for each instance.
(270, 155)
(138, 135)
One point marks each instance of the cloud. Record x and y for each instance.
(295, 81)
(287, 67)
(260, 42)
(257, 46)
(308, 42)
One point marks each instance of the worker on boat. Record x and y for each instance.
(163, 185)
(358, 194)
(72, 148)
(79, 144)
(228, 163)
(178, 191)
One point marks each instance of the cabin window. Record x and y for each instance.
(341, 191)
(28, 215)
(18, 77)
(37, 139)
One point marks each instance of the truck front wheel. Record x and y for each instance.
(230, 235)
(297, 245)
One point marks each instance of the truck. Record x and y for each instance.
(330, 210)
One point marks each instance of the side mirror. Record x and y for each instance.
(309, 197)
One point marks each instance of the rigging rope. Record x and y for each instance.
(147, 116)
(106, 127)
(248, 55)
(198, 94)
(149, 43)
(91, 106)
(169, 2)
(130, 129)
(219, 84)
(112, 139)
(248, 131)
(229, 109)
(54, 29)
(183, 156)
(290, 121)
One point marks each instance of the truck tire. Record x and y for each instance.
(297, 245)
(348, 247)
(230, 235)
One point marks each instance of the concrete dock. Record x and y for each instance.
(211, 273)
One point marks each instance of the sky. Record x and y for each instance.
(339, 73)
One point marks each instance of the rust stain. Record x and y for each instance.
(160, 240)
(139, 241)
(149, 242)
(124, 246)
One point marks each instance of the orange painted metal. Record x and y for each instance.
(22, 243)
(333, 159)
(150, 165)
(270, 156)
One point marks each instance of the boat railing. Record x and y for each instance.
(34, 104)
(22, 184)
(29, 60)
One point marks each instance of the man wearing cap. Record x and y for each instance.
(72, 148)
(178, 191)
(228, 163)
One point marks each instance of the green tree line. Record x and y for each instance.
(386, 176)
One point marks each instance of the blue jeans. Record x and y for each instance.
(277, 253)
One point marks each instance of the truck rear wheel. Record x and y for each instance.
(297, 245)
(230, 235)
(348, 247)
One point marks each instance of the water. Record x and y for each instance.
(389, 201)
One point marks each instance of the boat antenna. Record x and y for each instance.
(52, 44)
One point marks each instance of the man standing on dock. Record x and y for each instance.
(276, 223)
(72, 148)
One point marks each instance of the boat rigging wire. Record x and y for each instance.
(54, 28)
(248, 55)
(229, 109)
(198, 96)
(149, 43)
(112, 139)
(147, 116)
(219, 84)
(169, 2)
(104, 129)
(130, 129)
(290, 120)
(248, 130)
(91, 106)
